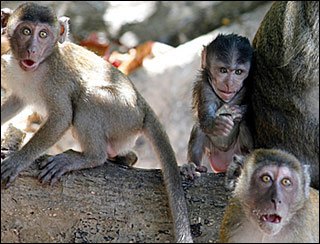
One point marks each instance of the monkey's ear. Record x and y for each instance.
(5, 14)
(203, 57)
(64, 28)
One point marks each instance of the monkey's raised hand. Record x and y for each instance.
(223, 125)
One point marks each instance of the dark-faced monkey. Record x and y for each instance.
(272, 201)
(219, 105)
(73, 87)
(285, 91)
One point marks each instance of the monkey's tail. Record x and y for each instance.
(161, 145)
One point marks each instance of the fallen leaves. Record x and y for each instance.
(126, 62)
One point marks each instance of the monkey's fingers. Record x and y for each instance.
(221, 130)
(45, 163)
(189, 170)
(54, 168)
(52, 174)
(225, 120)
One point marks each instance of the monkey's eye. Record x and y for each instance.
(286, 182)
(266, 178)
(26, 31)
(238, 72)
(43, 34)
(223, 70)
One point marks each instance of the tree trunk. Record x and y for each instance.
(110, 203)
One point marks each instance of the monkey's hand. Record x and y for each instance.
(10, 169)
(238, 112)
(223, 125)
(191, 170)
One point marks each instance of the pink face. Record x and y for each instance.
(227, 80)
(32, 43)
(274, 192)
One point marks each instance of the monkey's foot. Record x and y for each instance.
(191, 170)
(129, 159)
(56, 166)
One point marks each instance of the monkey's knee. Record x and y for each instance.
(128, 159)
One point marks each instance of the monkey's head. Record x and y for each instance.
(33, 32)
(273, 186)
(227, 61)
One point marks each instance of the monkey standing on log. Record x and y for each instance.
(72, 86)
(272, 201)
(285, 91)
(219, 104)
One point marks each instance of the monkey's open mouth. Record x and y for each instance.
(28, 64)
(272, 218)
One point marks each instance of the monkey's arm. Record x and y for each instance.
(10, 106)
(59, 120)
(196, 148)
(207, 106)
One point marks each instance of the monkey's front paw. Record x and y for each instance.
(54, 168)
(191, 170)
(9, 171)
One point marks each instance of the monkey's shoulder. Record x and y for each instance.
(79, 55)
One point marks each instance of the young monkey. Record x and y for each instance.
(218, 105)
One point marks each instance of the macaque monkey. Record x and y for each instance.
(219, 104)
(73, 87)
(272, 201)
(285, 91)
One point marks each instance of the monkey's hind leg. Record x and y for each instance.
(94, 154)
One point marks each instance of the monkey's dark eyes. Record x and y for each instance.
(43, 34)
(26, 31)
(266, 178)
(286, 182)
(223, 70)
(238, 72)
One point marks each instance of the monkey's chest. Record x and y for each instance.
(27, 86)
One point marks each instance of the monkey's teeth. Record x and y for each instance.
(272, 218)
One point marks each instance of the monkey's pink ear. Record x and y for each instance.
(5, 14)
(203, 58)
(64, 28)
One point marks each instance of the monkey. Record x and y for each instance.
(272, 201)
(285, 91)
(219, 105)
(72, 87)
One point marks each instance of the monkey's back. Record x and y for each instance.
(285, 95)
(103, 90)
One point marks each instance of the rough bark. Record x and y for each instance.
(110, 203)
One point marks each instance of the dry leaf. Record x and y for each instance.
(133, 59)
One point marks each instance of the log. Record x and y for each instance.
(110, 203)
